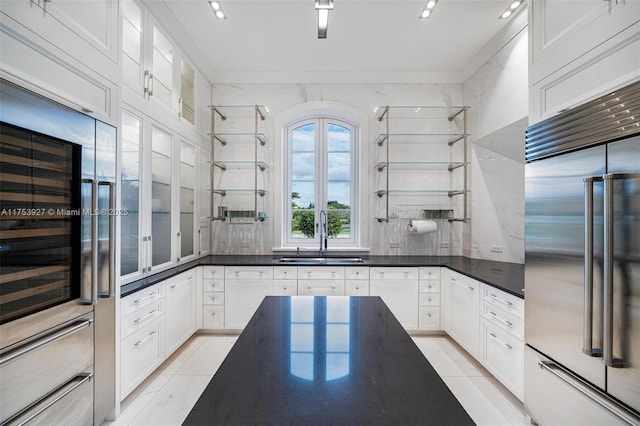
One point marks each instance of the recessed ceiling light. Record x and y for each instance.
(217, 10)
(513, 6)
(427, 10)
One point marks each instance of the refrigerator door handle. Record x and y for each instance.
(112, 236)
(587, 339)
(588, 391)
(608, 299)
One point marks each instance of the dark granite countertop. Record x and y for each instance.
(508, 277)
(305, 360)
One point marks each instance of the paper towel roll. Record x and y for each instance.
(422, 226)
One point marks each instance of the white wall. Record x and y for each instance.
(258, 238)
(498, 95)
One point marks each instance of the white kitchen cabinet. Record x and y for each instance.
(212, 297)
(285, 280)
(158, 196)
(180, 316)
(245, 287)
(357, 281)
(398, 287)
(148, 63)
(464, 311)
(142, 347)
(502, 337)
(429, 298)
(579, 52)
(321, 281)
(65, 51)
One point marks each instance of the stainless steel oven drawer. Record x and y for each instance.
(35, 367)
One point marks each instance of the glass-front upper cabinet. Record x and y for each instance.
(148, 176)
(186, 103)
(161, 208)
(130, 226)
(147, 56)
(187, 199)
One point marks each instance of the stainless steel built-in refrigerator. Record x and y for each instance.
(582, 264)
(57, 262)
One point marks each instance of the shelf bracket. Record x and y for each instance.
(217, 111)
(221, 166)
(222, 141)
(380, 140)
(452, 141)
(381, 165)
(455, 114)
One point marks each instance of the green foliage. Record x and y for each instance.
(306, 224)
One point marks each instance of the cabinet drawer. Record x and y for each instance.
(429, 318)
(429, 273)
(285, 288)
(213, 316)
(248, 273)
(394, 273)
(140, 299)
(357, 273)
(502, 319)
(357, 288)
(141, 353)
(503, 356)
(213, 272)
(212, 285)
(213, 298)
(321, 288)
(429, 286)
(141, 318)
(429, 299)
(321, 273)
(508, 302)
(285, 273)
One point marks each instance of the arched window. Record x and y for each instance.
(321, 173)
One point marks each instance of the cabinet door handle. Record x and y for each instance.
(504, 301)
(140, 342)
(502, 320)
(506, 345)
(463, 285)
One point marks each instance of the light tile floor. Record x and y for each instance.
(168, 395)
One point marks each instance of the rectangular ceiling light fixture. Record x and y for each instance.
(427, 10)
(217, 10)
(323, 7)
(511, 9)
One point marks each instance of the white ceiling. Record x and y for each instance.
(368, 40)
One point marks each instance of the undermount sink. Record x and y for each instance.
(321, 260)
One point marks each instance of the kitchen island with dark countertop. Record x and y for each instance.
(325, 360)
(505, 276)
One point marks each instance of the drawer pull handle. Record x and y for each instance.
(502, 320)
(321, 288)
(140, 342)
(142, 299)
(68, 329)
(146, 317)
(213, 314)
(29, 413)
(506, 345)
(506, 302)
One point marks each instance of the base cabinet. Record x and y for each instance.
(464, 306)
(140, 354)
(180, 313)
(244, 289)
(398, 287)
